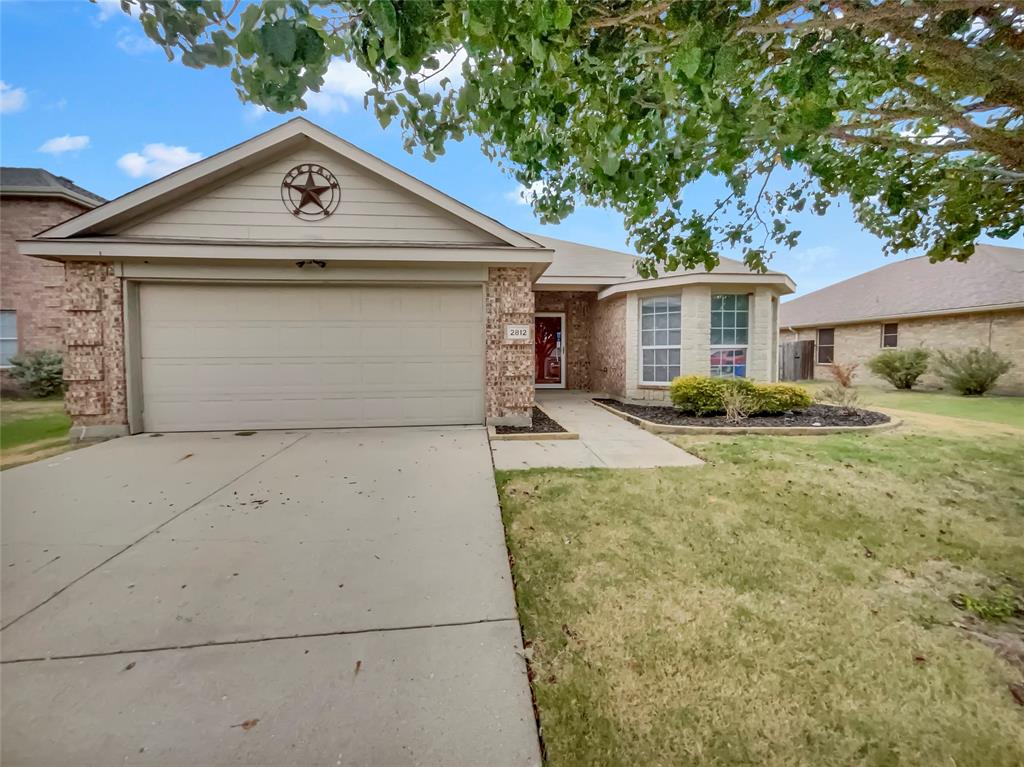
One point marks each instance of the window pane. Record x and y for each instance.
(647, 321)
(7, 350)
(826, 336)
(647, 306)
(672, 303)
(661, 321)
(716, 337)
(716, 303)
(648, 373)
(8, 324)
(662, 374)
(741, 336)
(674, 320)
(661, 357)
(824, 355)
(673, 357)
(742, 302)
(741, 320)
(647, 338)
(674, 338)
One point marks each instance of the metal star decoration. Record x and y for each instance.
(316, 193)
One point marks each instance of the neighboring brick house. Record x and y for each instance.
(946, 305)
(295, 281)
(32, 290)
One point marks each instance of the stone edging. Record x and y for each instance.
(664, 428)
(492, 433)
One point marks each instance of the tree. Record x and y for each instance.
(914, 109)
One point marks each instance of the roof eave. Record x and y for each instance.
(63, 194)
(903, 316)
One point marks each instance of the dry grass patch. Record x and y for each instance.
(789, 603)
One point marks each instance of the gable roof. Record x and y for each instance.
(39, 182)
(992, 278)
(164, 192)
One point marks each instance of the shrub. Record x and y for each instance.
(736, 397)
(845, 397)
(41, 373)
(737, 403)
(900, 367)
(843, 372)
(778, 398)
(971, 371)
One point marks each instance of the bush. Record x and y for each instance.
(737, 397)
(971, 371)
(843, 372)
(900, 367)
(40, 373)
(778, 398)
(845, 397)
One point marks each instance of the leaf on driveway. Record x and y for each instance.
(248, 724)
(130, 666)
(359, 665)
(185, 457)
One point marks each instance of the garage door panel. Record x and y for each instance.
(311, 356)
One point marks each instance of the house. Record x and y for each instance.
(296, 281)
(32, 291)
(944, 305)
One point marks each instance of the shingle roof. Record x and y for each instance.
(590, 264)
(993, 277)
(39, 181)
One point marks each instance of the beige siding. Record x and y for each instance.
(1002, 331)
(371, 210)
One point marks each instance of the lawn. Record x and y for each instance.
(793, 602)
(31, 429)
(990, 408)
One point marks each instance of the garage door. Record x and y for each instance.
(274, 357)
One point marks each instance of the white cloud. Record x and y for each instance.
(12, 99)
(157, 160)
(812, 259)
(523, 195)
(62, 144)
(345, 84)
(134, 45)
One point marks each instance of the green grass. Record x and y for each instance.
(26, 425)
(791, 603)
(990, 408)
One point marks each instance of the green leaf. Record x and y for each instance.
(610, 163)
(384, 18)
(278, 41)
(563, 16)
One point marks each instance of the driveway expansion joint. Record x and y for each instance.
(260, 640)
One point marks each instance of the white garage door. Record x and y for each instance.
(273, 357)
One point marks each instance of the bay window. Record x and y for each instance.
(660, 339)
(730, 327)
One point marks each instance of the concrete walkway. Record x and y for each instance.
(606, 441)
(336, 597)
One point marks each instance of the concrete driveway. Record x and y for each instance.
(316, 598)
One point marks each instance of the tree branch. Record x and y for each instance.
(628, 18)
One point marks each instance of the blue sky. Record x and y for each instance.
(82, 79)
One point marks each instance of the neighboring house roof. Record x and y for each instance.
(39, 182)
(576, 264)
(188, 181)
(992, 278)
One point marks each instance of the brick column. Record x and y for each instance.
(510, 366)
(94, 362)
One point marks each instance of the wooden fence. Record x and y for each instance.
(796, 361)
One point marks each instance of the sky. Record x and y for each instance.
(85, 95)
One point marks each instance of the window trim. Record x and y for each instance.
(818, 346)
(14, 313)
(641, 381)
(712, 348)
(895, 335)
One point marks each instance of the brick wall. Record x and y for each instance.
(32, 287)
(608, 347)
(1001, 331)
(509, 365)
(578, 308)
(94, 361)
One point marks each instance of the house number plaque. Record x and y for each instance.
(517, 334)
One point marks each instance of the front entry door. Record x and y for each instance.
(549, 350)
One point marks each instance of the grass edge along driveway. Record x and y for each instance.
(788, 603)
(31, 429)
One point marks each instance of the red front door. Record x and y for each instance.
(548, 341)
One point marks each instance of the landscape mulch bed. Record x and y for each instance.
(542, 424)
(815, 415)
